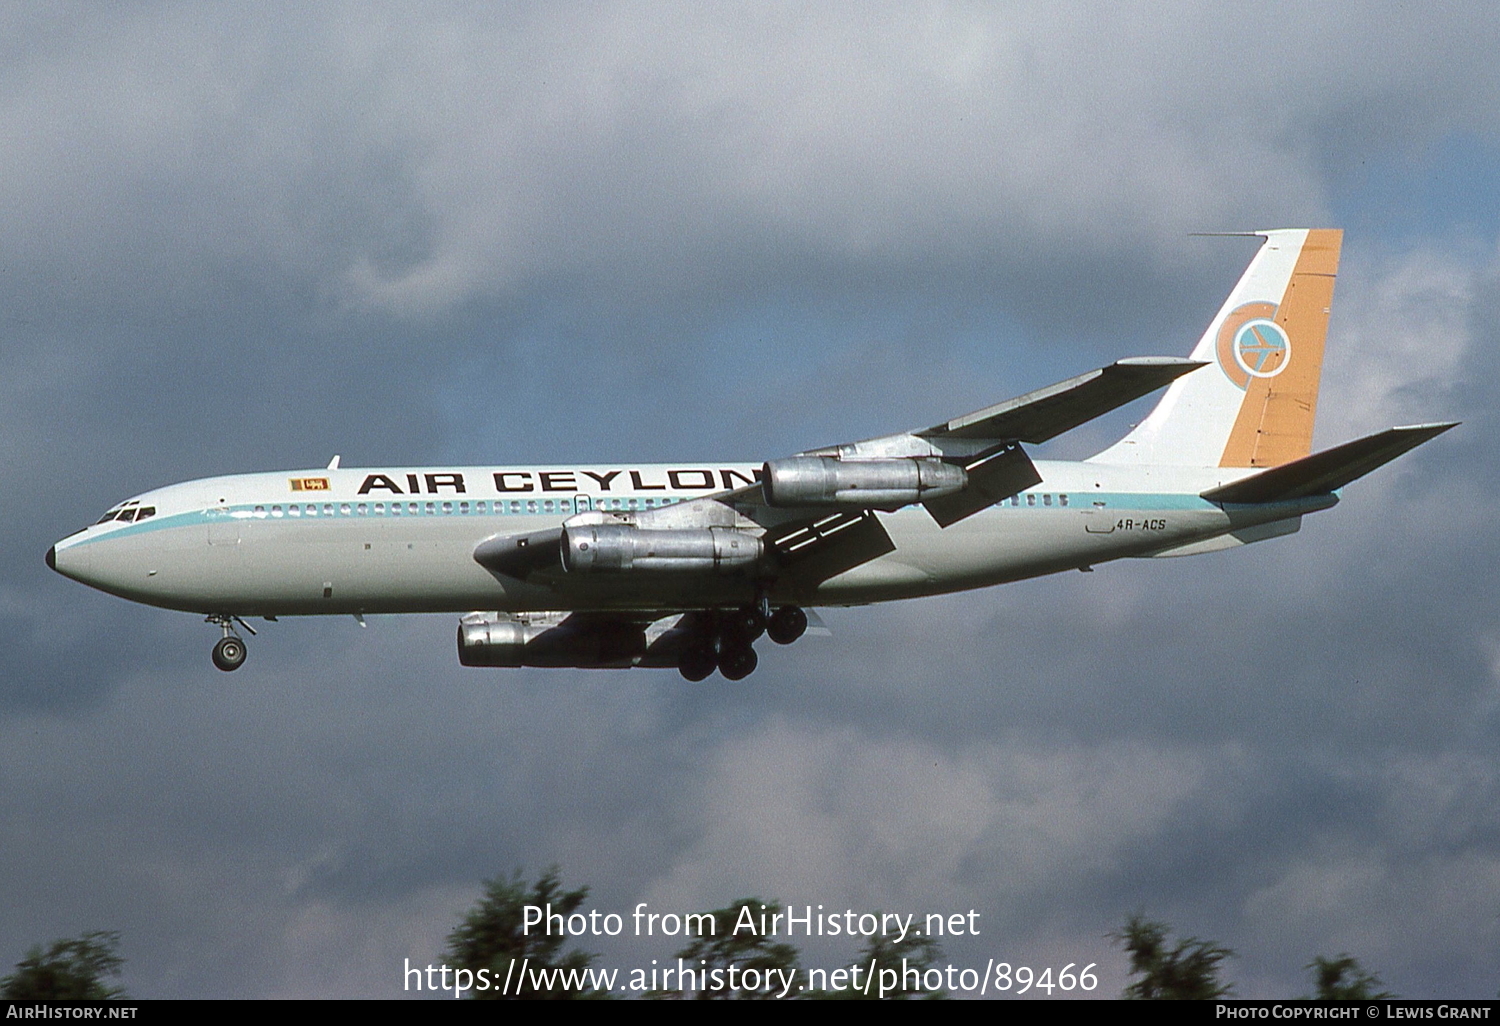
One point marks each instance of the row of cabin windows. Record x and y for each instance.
(480, 507)
(452, 507)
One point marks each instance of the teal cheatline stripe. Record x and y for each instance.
(1125, 502)
(1144, 501)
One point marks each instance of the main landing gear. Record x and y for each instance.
(728, 643)
(229, 653)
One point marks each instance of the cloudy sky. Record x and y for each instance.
(234, 239)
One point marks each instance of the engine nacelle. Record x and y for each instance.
(511, 643)
(859, 484)
(623, 548)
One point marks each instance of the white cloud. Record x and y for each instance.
(1400, 337)
(411, 161)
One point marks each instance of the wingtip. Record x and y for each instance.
(1168, 366)
(1434, 429)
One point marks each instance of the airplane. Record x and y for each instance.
(686, 565)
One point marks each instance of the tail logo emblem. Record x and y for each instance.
(1253, 345)
(1262, 349)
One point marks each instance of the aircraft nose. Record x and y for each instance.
(68, 562)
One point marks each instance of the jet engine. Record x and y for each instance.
(859, 484)
(567, 643)
(623, 548)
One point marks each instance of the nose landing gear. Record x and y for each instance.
(229, 653)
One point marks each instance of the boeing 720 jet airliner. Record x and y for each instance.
(687, 565)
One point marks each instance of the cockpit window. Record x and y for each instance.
(127, 512)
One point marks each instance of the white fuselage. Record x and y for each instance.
(402, 540)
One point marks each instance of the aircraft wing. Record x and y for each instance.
(1048, 412)
(986, 444)
(978, 458)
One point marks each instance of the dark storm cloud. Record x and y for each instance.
(235, 241)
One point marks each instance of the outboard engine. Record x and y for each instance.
(623, 548)
(859, 484)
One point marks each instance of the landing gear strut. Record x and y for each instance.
(229, 653)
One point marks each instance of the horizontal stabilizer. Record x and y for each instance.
(1048, 412)
(1328, 470)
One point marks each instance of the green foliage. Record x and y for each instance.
(493, 935)
(68, 970)
(1344, 979)
(746, 949)
(1188, 971)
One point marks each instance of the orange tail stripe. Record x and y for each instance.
(1275, 423)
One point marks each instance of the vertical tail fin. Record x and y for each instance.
(1255, 406)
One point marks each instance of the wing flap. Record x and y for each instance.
(1328, 470)
(1048, 412)
(826, 546)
